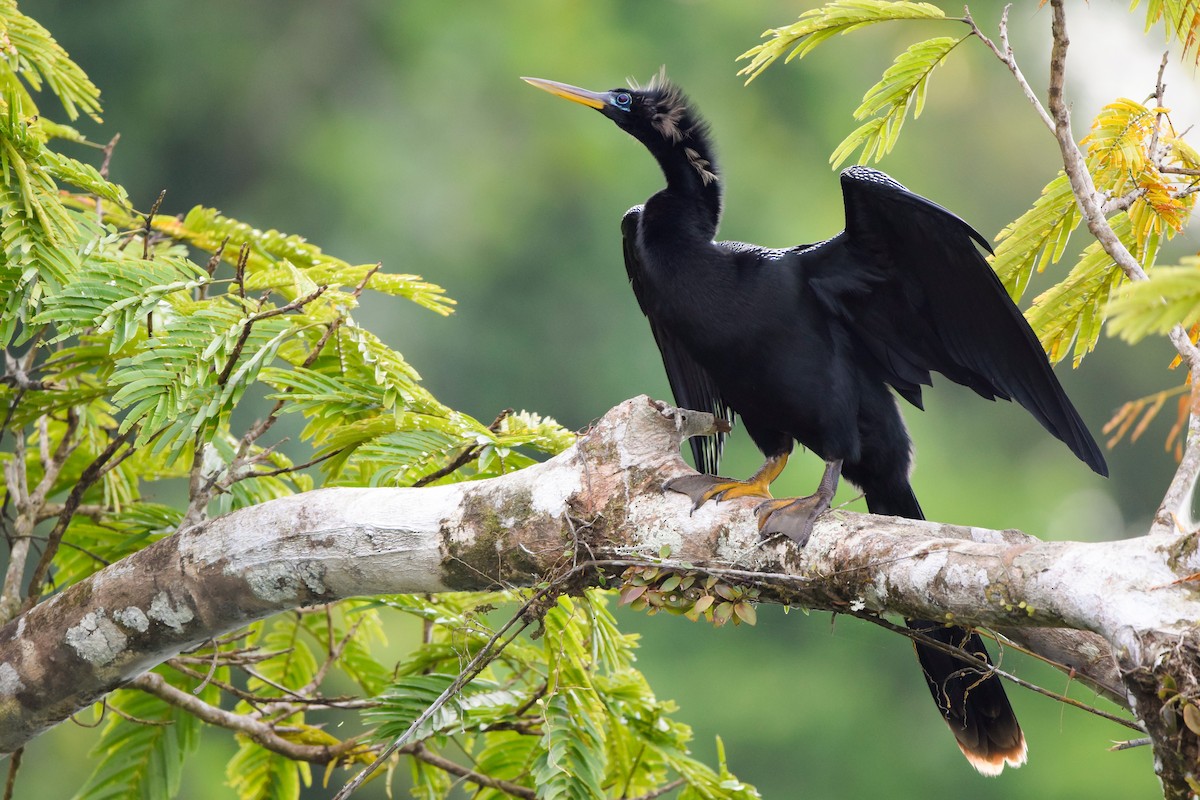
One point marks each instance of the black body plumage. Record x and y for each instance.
(803, 344)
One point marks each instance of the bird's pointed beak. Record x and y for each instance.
(568, 92)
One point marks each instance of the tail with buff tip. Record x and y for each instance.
(972, 702)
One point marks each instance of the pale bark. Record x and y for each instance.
(599, 505)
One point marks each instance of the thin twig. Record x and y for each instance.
(1160, 90)
(260, 732)
(660, 791)
(468, 455)
(29, 503)
(419, 751)
(294, 468)
(258, 316)
(14, 764)
(1005, 53)
(1130, 744)
(486, 654)
(92, 473)
(214, 261)
(108, 154)
(335, 651)
(984, 666)
(148, 225)
(239, 277)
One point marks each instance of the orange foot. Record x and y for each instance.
(702, 488)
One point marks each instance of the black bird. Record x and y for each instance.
(803, 343)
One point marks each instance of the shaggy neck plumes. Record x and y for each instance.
(679, 139)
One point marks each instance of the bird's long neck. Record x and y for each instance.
(693, 183)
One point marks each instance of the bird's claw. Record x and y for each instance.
(702, 488)
(793, 517)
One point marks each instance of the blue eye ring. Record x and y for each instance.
(623, 100)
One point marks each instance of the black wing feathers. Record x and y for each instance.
(946, 311)
(690, 383)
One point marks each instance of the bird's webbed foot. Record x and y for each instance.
(702, 488)
(791, 516)
(794, 517)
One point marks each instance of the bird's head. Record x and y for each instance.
(659, 116)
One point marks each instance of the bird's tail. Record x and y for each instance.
(972, 701)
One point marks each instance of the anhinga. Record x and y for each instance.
(803, 343)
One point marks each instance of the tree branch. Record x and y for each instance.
(261, 732)
(1176, 502)
(599, 506)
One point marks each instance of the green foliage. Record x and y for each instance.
(479, 705)
(686, 592)
(1037, 238)
(258, 774)
(142, 746)
(819, 24)
(1171, 297)
(139, 338)
(570, 717)
(1068, 317)
(902, 88)
(570, 764)
(1119, 156)
(33, 57)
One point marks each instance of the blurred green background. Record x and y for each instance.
(400, 132)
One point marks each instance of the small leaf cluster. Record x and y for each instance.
(688, 593)
(903, 86)
(1134, 416)
(820, 24)
(1182, 22)
(144, 759)
(1179, 706)
(887, 103)
(564, 715)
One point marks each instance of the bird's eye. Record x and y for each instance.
(622, 100)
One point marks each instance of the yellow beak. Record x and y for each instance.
(572, 93)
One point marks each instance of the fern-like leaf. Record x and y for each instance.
(476, 706)
(1171, 297)
(1121, 163)
(508, 756)
(902, 88)
(819, 24)
(84, 176)
(571, 761)
(1182, 21)
(114, 294)
(1072, 312)
(32, 53)
(271, 250)
(141, 750)
(1037, 238)
(1117, 144)
(258, 774)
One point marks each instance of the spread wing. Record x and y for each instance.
(908, 278)
(690, 383)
